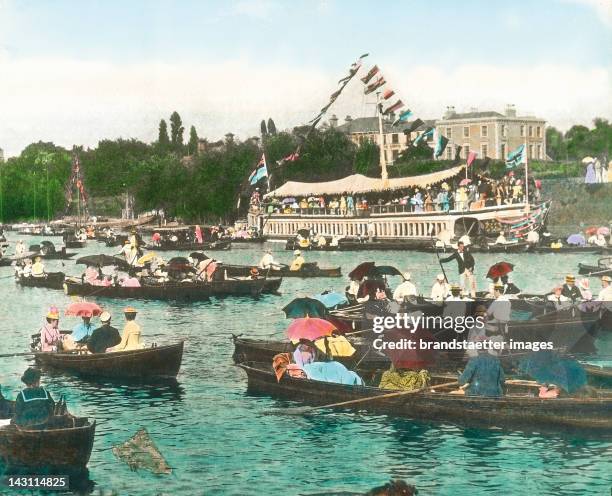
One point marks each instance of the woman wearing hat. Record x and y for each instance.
(606, 289)
(34, 404)
(298, 261)
(131, 337)
(38, 269)
(50, 337)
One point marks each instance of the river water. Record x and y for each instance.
(220, 441)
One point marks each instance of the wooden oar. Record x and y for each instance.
(591, 274)
(7, 355)
(308, 409)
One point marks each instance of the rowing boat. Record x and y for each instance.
(308, 270)
(147, 363)
(518, 409)
(169, 246)
(51, 280)
(64, 449)
(177, 290)
(74, 243)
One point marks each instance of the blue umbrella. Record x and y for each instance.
(331, 299)
(549, 367)
(289, 200)
(576, 239)
(305, 307)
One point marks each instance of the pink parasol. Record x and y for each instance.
(156, 236)
(83, 309)
(309, 328)
(604, 231)
(465, 182)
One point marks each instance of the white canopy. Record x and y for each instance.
(361, 184)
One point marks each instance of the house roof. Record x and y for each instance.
(370, 125)
(474, 115)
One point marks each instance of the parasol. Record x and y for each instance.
(604, 231)
(156, 236)
(335, 346)
(289, 200)
(305, 233)
(404, 358)
(102, 261)
(179, 264)
(576, 239)
(384, 270)
(369, 287)
(465, 182)
(198, 255)
(548, 367)
(587, 160)
(147, 257)
(589, 231)
(499, 269)
(83, 309)
(331, 299)
(309, 328)
(361, 270)
(305, 307)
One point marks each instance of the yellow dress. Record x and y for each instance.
(130, 339)
(297, 263)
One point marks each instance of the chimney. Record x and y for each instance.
(450, 112)
(348, 119)
(333, 120)
(510, 110)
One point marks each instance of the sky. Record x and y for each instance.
(76, 72)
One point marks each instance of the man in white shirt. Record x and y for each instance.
(501, 239)
(499, 311)
(405, 290)
(533, 237)
(440, 289)
(558, 299)
(267, 261)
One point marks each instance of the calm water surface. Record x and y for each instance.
(219, 440)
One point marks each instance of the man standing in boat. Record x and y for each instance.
(465, 264)
(34, 404)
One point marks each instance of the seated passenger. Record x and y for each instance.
(34, 405)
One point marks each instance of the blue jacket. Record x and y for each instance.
(485, 375)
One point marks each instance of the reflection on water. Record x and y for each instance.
(219, 440)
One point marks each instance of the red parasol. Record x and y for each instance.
(589, 231)
(362, 270)
(156, 236)
(465, 182)
(309, 328)
(341, 326)
(407, 358)
(83, 309)
(499, 269)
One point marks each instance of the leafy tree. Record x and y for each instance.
(163, 140)
(271, 127)
(176, 131)
(555, 144)
(192, 147)
(367, 159)
(263, 128)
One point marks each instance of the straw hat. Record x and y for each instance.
(570, 278)
(407, 276)
(440, 277)
(53, 313)
(455, 288)
(606, 278)
(297, 252)
(498, 285)
(130, 310)
(105, 317)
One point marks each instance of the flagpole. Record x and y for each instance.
(527, 206)
(383, 163)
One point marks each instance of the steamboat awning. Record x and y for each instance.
(358, 183)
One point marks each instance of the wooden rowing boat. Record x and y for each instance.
(518, 409)
(51, 280)
(191, 291)
(169, 246)
(147, 363)
(63, 449)
(307, 270)
(74, 243)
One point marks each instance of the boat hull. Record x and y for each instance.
(306, 272)
(53, 280)
(219, 245)
(148, 363)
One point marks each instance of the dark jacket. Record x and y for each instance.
(484, 374)
(466, 263)
(102, 338)
(33, 406)
(572, 293)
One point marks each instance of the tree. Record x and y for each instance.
(192, 147)
(271, 127)
(263, 128)
(555, 144)
(367, 159)
(176, 131)
(163, 140)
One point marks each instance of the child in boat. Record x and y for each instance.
(34, 404)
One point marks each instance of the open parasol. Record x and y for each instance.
(331, 299)
(587, 160)
(604, 231)
(465, 182)
(576, 239)
(309, 328)
(179, 264)
(550, 368)
(384, 270)
(83, 309)
(335, 346)
(198, 255)
(147, 257)
(404, 358)
(362, 270)
(305, 233)
(289, 200)
(305, 307)
(102, 261)
(499, 269)
(589, 231)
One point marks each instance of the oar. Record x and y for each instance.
(308, 409)
(591, 274)
(7, 355)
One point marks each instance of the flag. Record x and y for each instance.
(260, 171)
(517, 157)
(470, 158)
(402, 117)
(414, 126)
(375, 85)
(335, 95)
(428, 133)
(440, 145)
(458, 153)
(371, 73)
(396, 106)
(388, 94)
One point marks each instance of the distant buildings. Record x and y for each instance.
(488, 133)
(1, 155)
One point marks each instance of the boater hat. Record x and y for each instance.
(606, 278)
(498, 285)
(297, 252)
(455, 288)
(569, 278)
(30, 376)
(440, 277)
(105, 317)
(130, 310)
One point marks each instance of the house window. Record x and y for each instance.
(449, 132)
(395, 138)
(384, 139)
(530, 131)
(466, 150)
(395, 155)
(449, 152)
(531, 151)
(466, 132)
(484, 131)
(539, 132)
(502, 151)
(484, 149)
(539, 150)
(504, 131)
(522, 131)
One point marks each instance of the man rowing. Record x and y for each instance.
(267, 261)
